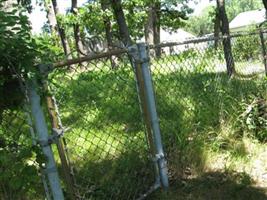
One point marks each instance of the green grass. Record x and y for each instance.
(199, 111)
(212, 185)
(212, 150)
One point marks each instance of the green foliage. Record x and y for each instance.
(253, 118)
(91, 17)
(17, 49)
(18, 54)
(19, 160)
(48, 48)
(246, 47)
(173, 18)
(202, 24)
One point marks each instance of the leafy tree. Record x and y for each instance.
(96, 18)
(121, 21)
(55, 26)
(224, 25)
(76, 30)
(18, 54)
(202, 24)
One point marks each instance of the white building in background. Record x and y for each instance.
(179, 35)
(246, 19)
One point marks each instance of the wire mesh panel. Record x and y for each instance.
(105, 138)
(19, 157)
(248, 55)
(196, 98)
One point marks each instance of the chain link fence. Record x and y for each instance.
(196, 98)
(98, 127)
(22, 175)
(105, 141)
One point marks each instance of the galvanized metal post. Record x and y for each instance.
(43, 177)
(43, 138)
(141, 62)
(151, 104)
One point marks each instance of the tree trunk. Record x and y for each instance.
(265, 4)
(55, 27)
(60, 30)
(216, 29)
(227, 40)
(120, 18)
(149, 29)
(76, 29)
(156, 27)
(107, 24)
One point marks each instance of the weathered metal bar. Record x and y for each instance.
(134, 56)
(61, 149)
(124, 50)
(89, 58)
(43, 138)
(203, 39)
(44, 70)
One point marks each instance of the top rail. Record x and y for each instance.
(89, 58)
(167, 44)
(207, 39)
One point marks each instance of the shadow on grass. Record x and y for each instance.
(213, 186)
(193, 110)
(125, 177)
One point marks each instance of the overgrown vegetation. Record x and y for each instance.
(19, 160)
(213, 127)
(203, 115)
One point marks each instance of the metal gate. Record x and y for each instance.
(105, 132)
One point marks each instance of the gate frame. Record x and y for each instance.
(140, 57)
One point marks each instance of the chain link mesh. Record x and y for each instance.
(106, 143)
(104, 137)
(196, 98)
(19, 157)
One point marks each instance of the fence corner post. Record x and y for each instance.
(43, 139)
(140, 57)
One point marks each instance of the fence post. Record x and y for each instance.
(140, 57)
(263, 51)
(43, 139)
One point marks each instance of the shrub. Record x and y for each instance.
(254, 118)
(246, 47)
